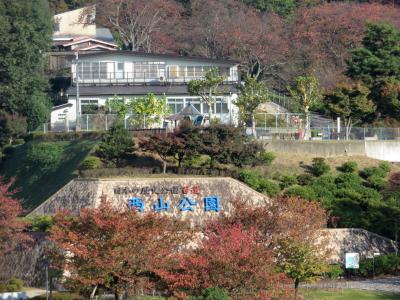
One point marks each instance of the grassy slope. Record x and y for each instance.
(348, 295)
(35, 188)
(286, 163)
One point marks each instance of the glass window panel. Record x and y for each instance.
(103, 70)
(153, 71)
(171, 107)
(205, 108)
(173, 71)
(86, 70)
(182, 71)
(198, 71)
(190, 71)
(198, 106)
(217, 108)
(179, 107)
(224, 108)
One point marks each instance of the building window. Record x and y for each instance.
(221, 107)
(175, 105)
(57, 26)
(89, 106)
(119, 74)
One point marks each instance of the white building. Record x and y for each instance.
(126, 74)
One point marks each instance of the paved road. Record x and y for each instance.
(387, 284)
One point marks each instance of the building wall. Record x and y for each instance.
(382, 150)
(69, 24)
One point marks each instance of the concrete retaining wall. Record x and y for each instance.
(383, 150)
(80, 193)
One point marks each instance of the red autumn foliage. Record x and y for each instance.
(11, 228)
(227, 257)
(116, 249)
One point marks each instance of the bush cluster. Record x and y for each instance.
(382, 265)
(211, 294)
(12, 285)
(259, 183)
(45, 156)
(90, 163)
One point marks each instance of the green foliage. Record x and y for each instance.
(378, 56)
(281, 7)
(305, 179)
(257, 182)
(212, 294)
(383, 265)
(44, 156)
(41, 223)
(25, 32)
(252, 94)
(267, 157)
(307, 92)
(90, 163)
(348, 167)
(319, 166)
(116, 144)
(303, 192)
(11, 128)
(12, 285)
(351, 103)
(377, 65)
(287, 181)
(149, 110)
(335, 271)
(381, 171)
(207, 88)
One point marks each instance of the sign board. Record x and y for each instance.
(352, 260)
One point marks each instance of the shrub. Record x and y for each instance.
(348, 167)
(90, 163)
(335, 271)
(287, 181)
(41, 223)
(212, 294)
(319, 166)
(12, 285)
(267, 157)
(304, 192)
(257, 182)
(116, 144)
(269, 187)
(305, 179)
(348, 180)
(381, 171)
(376, 182)
(383, 265)
(45, 156)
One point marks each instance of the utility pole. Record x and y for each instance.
(78, 104)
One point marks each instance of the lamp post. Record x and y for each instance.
(78, 105)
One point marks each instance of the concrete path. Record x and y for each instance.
(387, 284)
(31, 293)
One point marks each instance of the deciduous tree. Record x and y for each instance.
(252, 94)
(229, 257)
(117, 249)
(208, 88)
(136, 22)
(11, 228)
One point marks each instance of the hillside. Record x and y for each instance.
(36, 183)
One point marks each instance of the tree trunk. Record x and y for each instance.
(93, 293)
(164, 166)
(296, 287)
(253, 125)
(116, 294)
(210, 112)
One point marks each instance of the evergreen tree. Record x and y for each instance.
(379, 55)
(25, 34)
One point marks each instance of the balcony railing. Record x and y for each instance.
(119, 78)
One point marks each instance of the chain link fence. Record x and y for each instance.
(327, 133)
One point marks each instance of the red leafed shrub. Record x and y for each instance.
(227, 257)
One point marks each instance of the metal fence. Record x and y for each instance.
(100, 122)
(327, 133)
